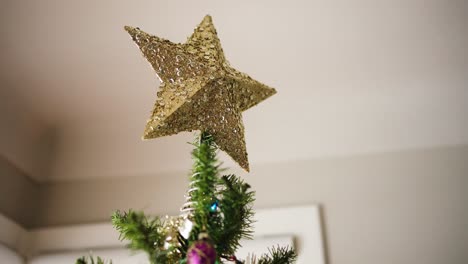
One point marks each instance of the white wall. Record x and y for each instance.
(396, 207)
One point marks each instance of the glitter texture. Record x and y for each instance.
(199, 90)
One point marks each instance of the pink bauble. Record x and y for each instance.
(201, 252)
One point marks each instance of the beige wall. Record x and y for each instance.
(25, 140)
(400, 207)
(26, 151)
(19, 195)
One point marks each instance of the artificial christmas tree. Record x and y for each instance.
(199, 91)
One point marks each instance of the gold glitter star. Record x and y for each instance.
(199, 90)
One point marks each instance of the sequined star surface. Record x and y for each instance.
(199, 90)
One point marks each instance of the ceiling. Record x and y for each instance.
(352, 77)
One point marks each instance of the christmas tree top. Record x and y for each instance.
(199, 91)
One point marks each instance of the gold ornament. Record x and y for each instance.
(171, 245)
(199, 90)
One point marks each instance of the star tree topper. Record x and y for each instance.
(199, 89)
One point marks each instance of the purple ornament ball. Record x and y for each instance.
(201, 252)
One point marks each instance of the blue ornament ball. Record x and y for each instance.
(214, 207)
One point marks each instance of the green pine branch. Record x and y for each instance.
(91, 260)
(204, 179)
(236, 201)
(233, 220)
(278, 255)
(143, 233)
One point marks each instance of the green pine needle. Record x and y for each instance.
(90, 260)
(278, 255)
(236, 201)
(143, 232)
(233, 221)
(204, 178)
